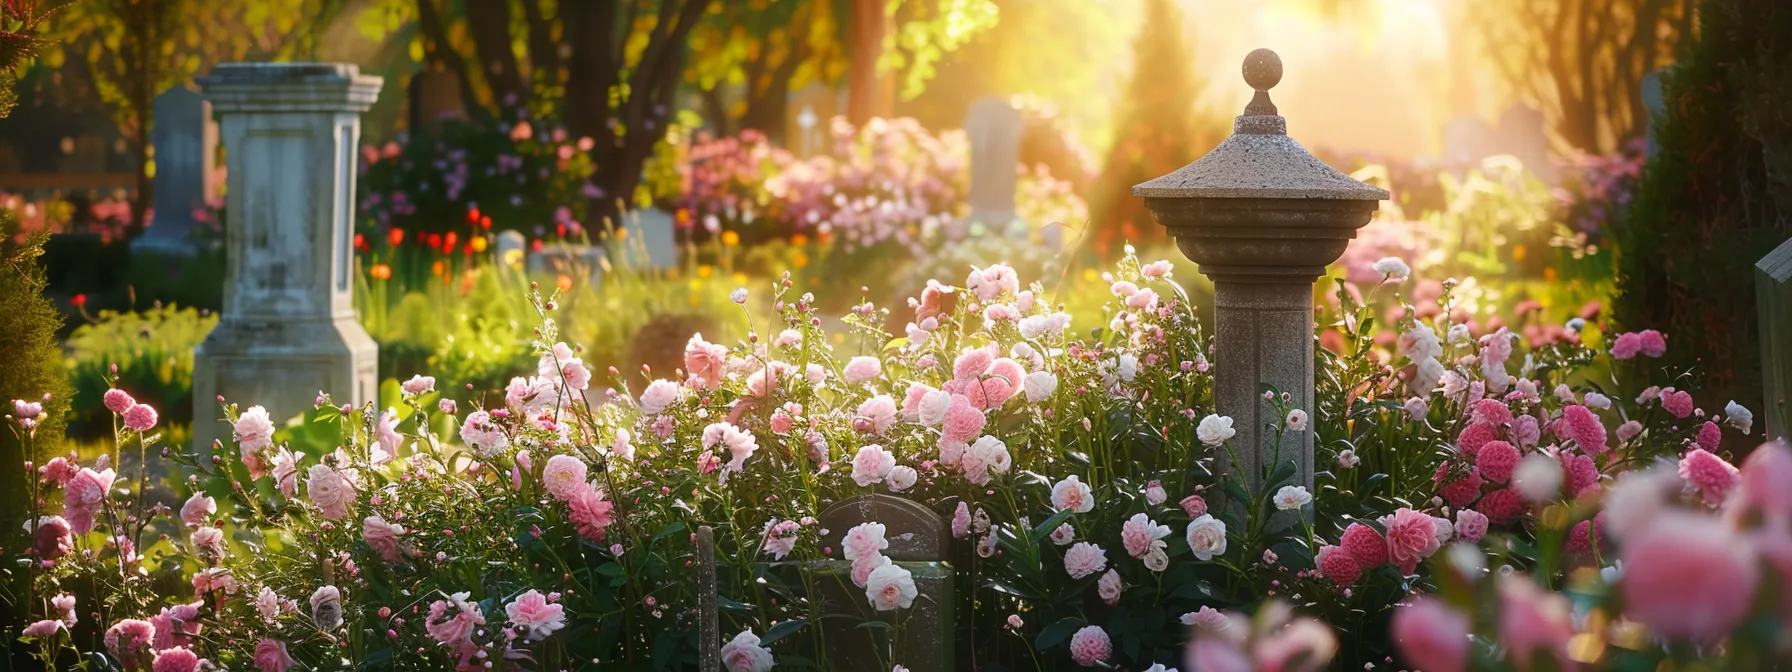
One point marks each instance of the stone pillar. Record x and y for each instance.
(1773, 301)
(288, 328)
(186, 142)
(1653, 106)
(1263, 218)
(993, 129)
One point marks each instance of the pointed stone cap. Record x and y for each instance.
(1259, 160)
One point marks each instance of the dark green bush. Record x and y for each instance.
(30, 361)
(1715, 198)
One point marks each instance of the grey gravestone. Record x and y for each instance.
(570, 260)
(993, 129)
(511, 251)
(186, 142)
(1263, 218)
(1521, 134)
(288, 328)
(1773, 291)
(649, 241)
(1653, 106)
(434, 96)
(920, 541)
(1465, 140)
(812, 109)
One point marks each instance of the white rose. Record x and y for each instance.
(1207, 537)
(934, 405)
(1214, 430)
(1292, 497)
(1738, 416)
(1393, 268)
(1039, 385)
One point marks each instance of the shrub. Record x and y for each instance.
(1080, 464)
(1715, 198)
(148, 354)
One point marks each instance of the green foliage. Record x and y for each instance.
(153, 351)
(471, 176)
(30, 362)
(1715, 197)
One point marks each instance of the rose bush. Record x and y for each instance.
(1078, 460)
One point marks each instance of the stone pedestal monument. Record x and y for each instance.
(288, 328)
(1263, 218)
(185, 141)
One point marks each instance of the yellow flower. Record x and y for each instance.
(705, 271)
(477, 243)
(740, 279)
(564, 282)
(437, 268)
(800, 260)
(381, 272)
(799, 240)
(730, 238)
(513, 258)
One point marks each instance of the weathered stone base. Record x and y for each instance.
(280, 365)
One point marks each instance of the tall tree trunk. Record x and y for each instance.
(488, 21)
(862, 85)
(645, 113)
(545, 64)
(436, 49)
(590, 72)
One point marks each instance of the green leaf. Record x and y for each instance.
(782, 630)
(668, 531)
(1280, 476)
(875, 625)
(1056, 633)
(1050, 524)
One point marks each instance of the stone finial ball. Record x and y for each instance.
(1262, 69)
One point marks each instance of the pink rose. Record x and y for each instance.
(382, 537)
(705, 363)
(175, 660)
(1651, 343)
(963, 421)
(58, 470)
(1108, 587)
(871, 465)
(140, 418)
(1431, 635)
(1626, 346)
(860, 369)
(1579, 423)
(41, 629)
(1496, 461)
(118, 401)
(1365, 545)
(82, 497)
(1688, 577)
(1084, 559)
(1412, 536)
(330, 490)
(1194, 506)
(658, 395)
(1339, 565)
(254, 430)
(1471, 525)
(1532, 619)
(590, 512)
(562, 476)
(53, 539)
(386, 438)
(451, 622)
(271, 656)
(198, 509)
(1090, 645)
(129, 639)
(970, 365)
(208, 542)
(1763, 480)
(1141, 535)
(1072, 494)
(961, 521)
(879, 413)
(532, 612)
(1709, 474)
(1677, 402)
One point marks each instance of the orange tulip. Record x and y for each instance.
(381, 271)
